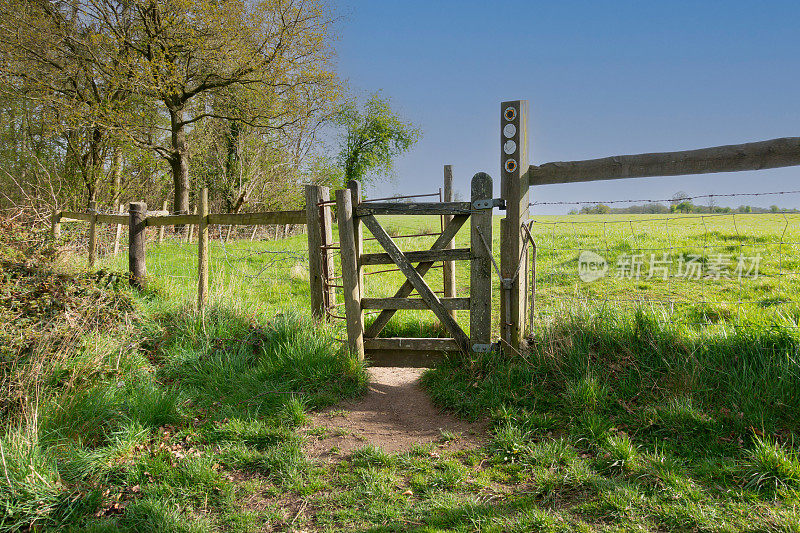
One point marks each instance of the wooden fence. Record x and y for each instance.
(317, 217)
(518, 176)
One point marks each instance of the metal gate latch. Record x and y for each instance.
(490, 203)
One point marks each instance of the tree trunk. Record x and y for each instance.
(179, 160)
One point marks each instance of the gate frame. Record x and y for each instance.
(353, 213)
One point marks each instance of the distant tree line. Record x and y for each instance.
(679, 204)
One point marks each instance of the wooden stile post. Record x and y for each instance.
(164, 207)
(317, 277)
(352, 289)
(118, 234)
(137, 238)
(480, 297)
(55, 224)
(449, 269)
(355, 191)
(514, 187)
(202, 251)
(92, 233)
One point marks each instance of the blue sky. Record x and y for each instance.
(602, 78)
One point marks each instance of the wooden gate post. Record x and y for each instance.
(355, 190)
(202, 251)
(350, 279)
(480, 297)
(449, 268)
(320, 258)
(92, 233)
(514, 188)
(137, 220)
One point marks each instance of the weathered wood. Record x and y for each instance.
(159, 213)
(162, 228)
(514, 187)
(171, 220)
(249, 219)
(92, 233)
(67, 216)
(451, 304)
(447, 235)
(775, 153)
(202, 251)
(355, 190)
(480, 272)
(449, 267)
(55, 225)
(316, 263)
(137, 239)
(455, 254)
(405, 343)
(405, 358)
(420, 208)
(416, 280)
(118, 233)
(104, 218)
(328, 252)
(349, 261)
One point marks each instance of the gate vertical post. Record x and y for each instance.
(480, 297)
(352, 289)
(320, 260)
(449, 268)
(514, 190)
(355, 189)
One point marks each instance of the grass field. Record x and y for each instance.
(676, 413)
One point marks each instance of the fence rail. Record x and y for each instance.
(138, 218)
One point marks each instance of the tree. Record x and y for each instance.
(373, 137)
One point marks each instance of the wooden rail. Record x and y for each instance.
(451, 304)
(454, 254)
(775, 153)
(420, 208)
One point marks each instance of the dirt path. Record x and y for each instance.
(395, 414)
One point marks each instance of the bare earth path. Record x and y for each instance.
(395, 414)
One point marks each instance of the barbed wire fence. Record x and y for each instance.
(719, 268)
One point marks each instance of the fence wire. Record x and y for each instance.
(710, 269)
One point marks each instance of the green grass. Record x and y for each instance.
(675, 413)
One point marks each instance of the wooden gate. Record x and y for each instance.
(353, 214)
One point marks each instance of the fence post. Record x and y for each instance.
(202, 251)
(317, 255)
(190, 233)
(164, 207)
(118, 234)
(355, 191)
(55, 224)
(449, 268)
(514, 187)
(92, 233)
(137, 239)
(352, 289)
(480, 297)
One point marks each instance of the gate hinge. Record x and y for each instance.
(485, 348)
(489, 204)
